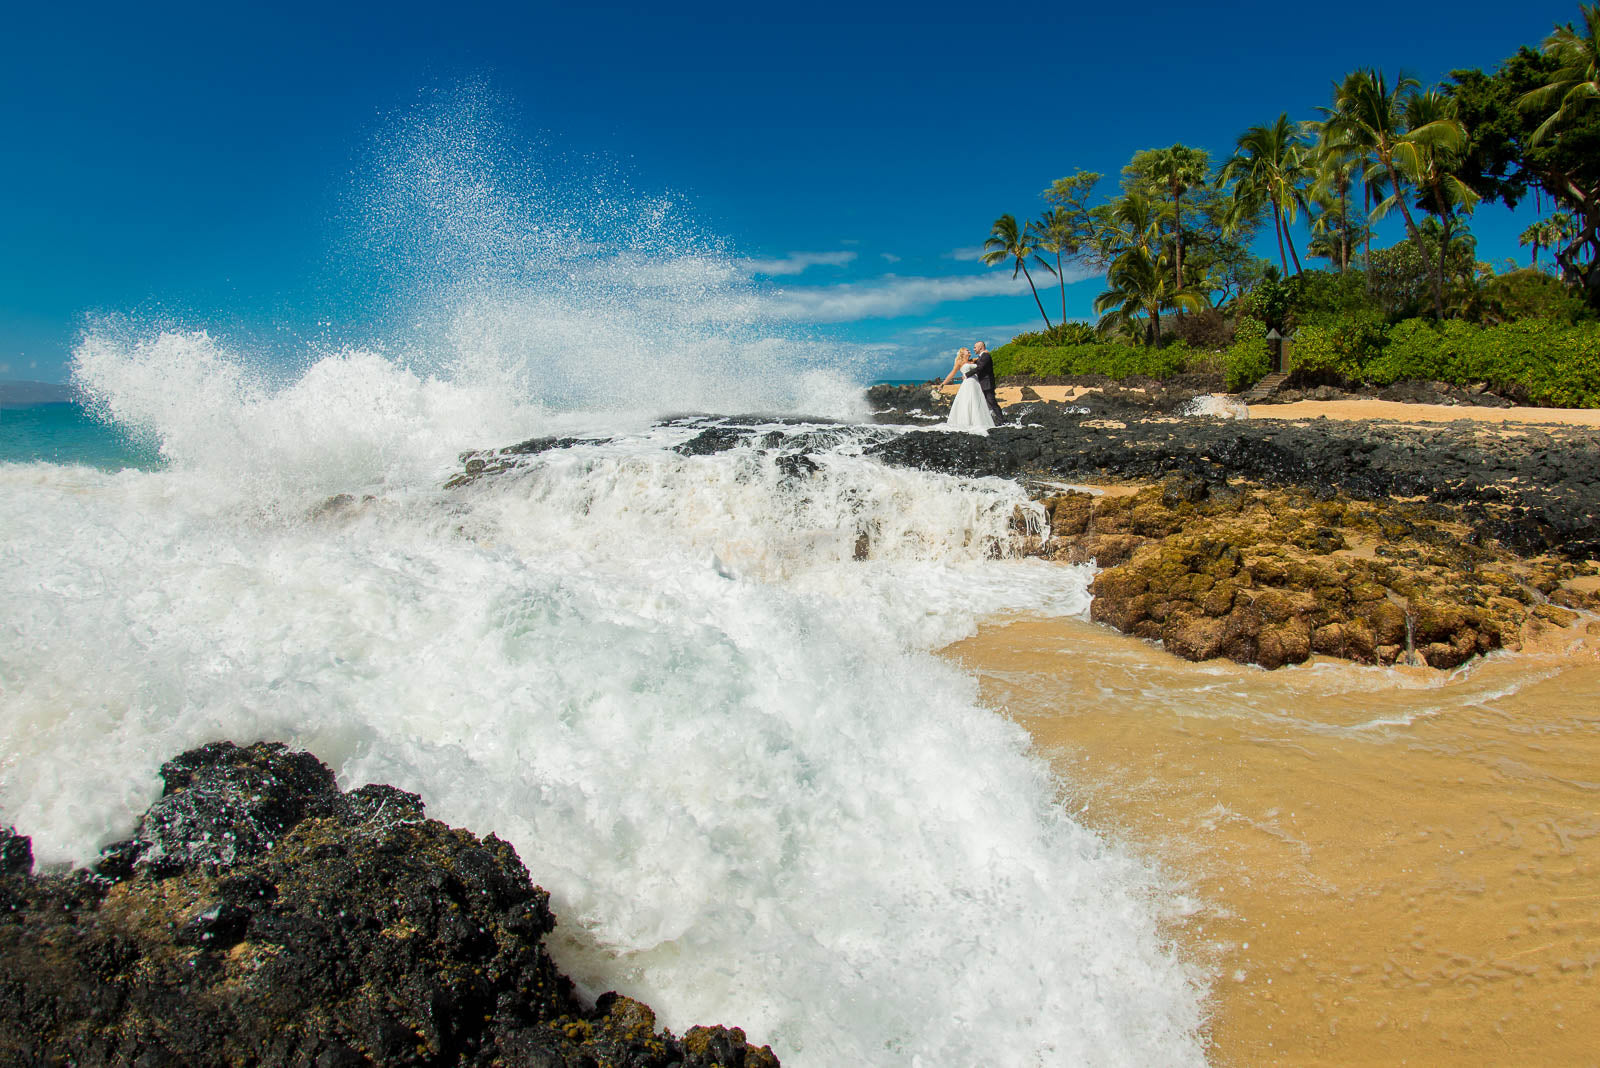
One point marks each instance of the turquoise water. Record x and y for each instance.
(66, 433)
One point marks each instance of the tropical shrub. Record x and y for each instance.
(1249, 357)
(1322, 296)
(1398, 280)
(1208, 330)
(1109, 358)
(1339, 346)
(1060, 334)
(1271, 300)
(1536, 360)
(1422, 348)
(1527, 294)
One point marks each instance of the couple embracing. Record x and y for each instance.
(974, 406)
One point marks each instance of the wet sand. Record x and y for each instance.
(1387, 866)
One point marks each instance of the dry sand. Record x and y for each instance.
(1363, 408)
(1013, 394)
(1424, 413)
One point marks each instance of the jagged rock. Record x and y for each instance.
(714, 439)
(16, 852)
(1270, 577)
(222, 803)
(267, 918)
(1535, 493)
(797, 465)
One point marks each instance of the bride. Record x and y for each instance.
(969, 410)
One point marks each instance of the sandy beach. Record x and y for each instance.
(1355, 409)
(1383, 866)
(1398, 412)
(1379, 865)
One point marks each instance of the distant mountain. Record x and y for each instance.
(20, 394)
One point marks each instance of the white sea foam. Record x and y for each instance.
(1217, 404)
(719, 738)
(754, 798)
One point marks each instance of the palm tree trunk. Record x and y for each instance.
(1177, 230)
(1444, 248)
(1036, 299)
(1277, 221)
(1063, 280)
(1366, 215)
(1155, 323)
(1416, 235)
(1438, 277)
(1399, 198)
(1292, 252)
(1344, 226)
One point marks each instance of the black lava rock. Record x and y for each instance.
(266, 918)
(1537, 493)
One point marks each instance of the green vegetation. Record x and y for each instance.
(1184, 293)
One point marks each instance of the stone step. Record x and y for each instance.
(1266, 387)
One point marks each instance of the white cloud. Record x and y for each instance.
(797, 262)
(890, 256)
(969, 253)
(891, 296)
(884, 298)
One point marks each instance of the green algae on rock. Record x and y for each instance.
(1273, 576)
(260, 916)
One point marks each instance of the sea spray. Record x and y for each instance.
(697, 693)
(494, 265)
(755, 797)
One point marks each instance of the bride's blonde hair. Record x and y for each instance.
(963, 352)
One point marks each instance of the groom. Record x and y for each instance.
(982, 368)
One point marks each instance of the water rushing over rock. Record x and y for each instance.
(259, 915)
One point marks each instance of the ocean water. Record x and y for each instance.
(697, 693)
(68, 433)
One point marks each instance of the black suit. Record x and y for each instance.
(982, 368)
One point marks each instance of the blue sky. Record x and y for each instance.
(187, 162)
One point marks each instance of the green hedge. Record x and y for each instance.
(1341, 346)
(1094, 358)
(1539, 361)
(1545, 362)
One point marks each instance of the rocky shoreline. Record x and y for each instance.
(1268, 542)
(259, 915)
(1262, 541)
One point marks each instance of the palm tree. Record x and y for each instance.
(1008, 241)
(1179, 169)
(1367, 117)
(1551, 233)
(1270, 166)
(1540, 235)
(1334, 232)
(1057, 232)
(1132, 221)
(1575, 86)
(1141, 282)
(1563, 228)
(1338, 163)
(1339, 145)
(1429, 153)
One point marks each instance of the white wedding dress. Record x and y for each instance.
(969, 410)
